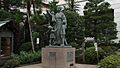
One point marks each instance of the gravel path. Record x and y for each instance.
(77, 66)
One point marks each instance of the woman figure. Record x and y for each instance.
(60, 27)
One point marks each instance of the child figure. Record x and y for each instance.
(52, 36)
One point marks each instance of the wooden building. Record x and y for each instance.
(9, 38)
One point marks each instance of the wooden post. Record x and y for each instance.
(83, 48)
(12, 45)
(0, 49)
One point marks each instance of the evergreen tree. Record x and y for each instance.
(9, 10)
(75, 28)
(99, 21)
(53, 6)
(72, 6)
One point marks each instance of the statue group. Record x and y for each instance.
(57, 26)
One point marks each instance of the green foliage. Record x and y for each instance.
(11, 9)
(27, 57)
(74, 31)
(38, 3)
(96, 1)
(15, 2)
(26, 47)
(38, 20)
(4, 15)
(91, 55)
(15, 15)
(117, 52)
(53, 6)
(109, 49)
(99, 21)
(74, 44)
(89, 44)
(112, 61)
(12, 63)
(8, 10)
(71, 5)
(35, 35)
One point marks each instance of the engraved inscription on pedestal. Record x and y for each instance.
(70, 56)
(52, 59)
(51, 54)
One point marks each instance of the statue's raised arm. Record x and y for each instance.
(57, 25)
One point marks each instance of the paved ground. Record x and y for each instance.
(85, 66)
(77, 66)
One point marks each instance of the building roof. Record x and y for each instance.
(10, 25)
(3, 22)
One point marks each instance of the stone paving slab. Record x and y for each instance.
(77, 66)
(85, 66)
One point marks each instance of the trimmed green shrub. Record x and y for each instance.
(91, 55)
(112, 61)
(11, 63)
(89, 44)
(27, 57)
(109, 49)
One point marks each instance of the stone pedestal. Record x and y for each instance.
(58, 57)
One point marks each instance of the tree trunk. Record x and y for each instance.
(33, 2)
(28, 20)
(0, 4)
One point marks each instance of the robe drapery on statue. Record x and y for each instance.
(60, 27)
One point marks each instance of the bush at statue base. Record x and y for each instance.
(112, 61)
(91, 55)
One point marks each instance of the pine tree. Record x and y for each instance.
(72, 6)
(53, 6)
(99, 21)
(75, 29)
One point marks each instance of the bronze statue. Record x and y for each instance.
(57, 26)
